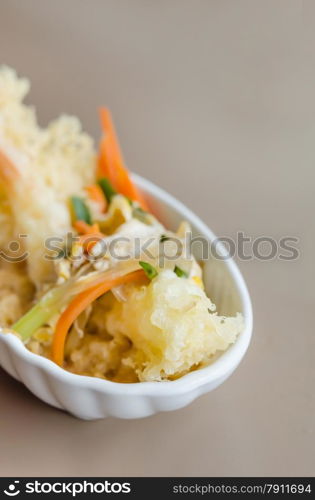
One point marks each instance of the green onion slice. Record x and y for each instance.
(164, 238)
(107, 188)
(80, 210)
(180, 272)
(149, 270)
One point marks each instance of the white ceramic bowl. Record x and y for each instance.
(91, 398)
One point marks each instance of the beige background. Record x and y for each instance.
(214, 101)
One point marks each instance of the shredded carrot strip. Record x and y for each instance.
(90, 235)
(96, 194)
(84, 228)
(88, 241)
(111, 164)
(78, 305)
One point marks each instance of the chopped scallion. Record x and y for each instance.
(141, 215)
(180, 272)
(149, 270)
(80, 210)
(107, 189)
(164, 238)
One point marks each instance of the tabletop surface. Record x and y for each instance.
(215, 102)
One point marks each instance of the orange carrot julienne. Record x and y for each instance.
(109, 130)
(111, 164)
(88, 241)
(90, 235)
(82, 227)
(105, 160)
(109, 147)
(96, 194)
(78, 305)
